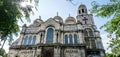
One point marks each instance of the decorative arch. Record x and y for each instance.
(50, 35)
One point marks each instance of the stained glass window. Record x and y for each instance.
(49, 37)
(70, 37)
(75, 39)
(66, 39)
(34, 40)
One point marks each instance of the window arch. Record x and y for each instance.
(25, 40)
(70, 37)
(66, 39)
(50, 35)
(30, 40)
(34, 40)
(75, 39)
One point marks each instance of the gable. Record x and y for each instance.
(50, 22)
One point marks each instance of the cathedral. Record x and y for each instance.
(74, 37)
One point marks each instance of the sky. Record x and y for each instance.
(49, 8)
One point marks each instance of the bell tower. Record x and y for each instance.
(82, 9)
(83, 17)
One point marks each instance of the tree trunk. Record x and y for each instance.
(3, 44)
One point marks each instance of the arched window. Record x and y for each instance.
(66, 39)
(85, 33)
(41, 38)
(50, 34)
(93, 44)
(30, 40)
(79, 12)
(83, 11)
(75, 39)
(70, 37)
(34, 40)
(25, 40)
(87, 43)
(57, 37)
(90, 32)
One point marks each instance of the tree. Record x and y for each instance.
(3, 53)
(10, 12)
(110, 55)
(111, 9)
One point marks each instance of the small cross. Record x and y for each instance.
(85, 19)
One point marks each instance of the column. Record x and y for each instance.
(54, 38)
(80, 39)
(38, 52)
(57, 52)
(62, 38)
(82, 52)
(90, 42)
(21, 39)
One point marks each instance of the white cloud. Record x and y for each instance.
(5, 47)
(105, 40)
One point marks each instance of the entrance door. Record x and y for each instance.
(48, 51)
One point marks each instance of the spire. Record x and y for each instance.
(57, 13)
(39, 17)
(69, 15)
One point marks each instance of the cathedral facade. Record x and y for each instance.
(74, 37)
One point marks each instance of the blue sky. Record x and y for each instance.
(49, 8)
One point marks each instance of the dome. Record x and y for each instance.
(82, 5)
(71, 19)
(58, 18)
